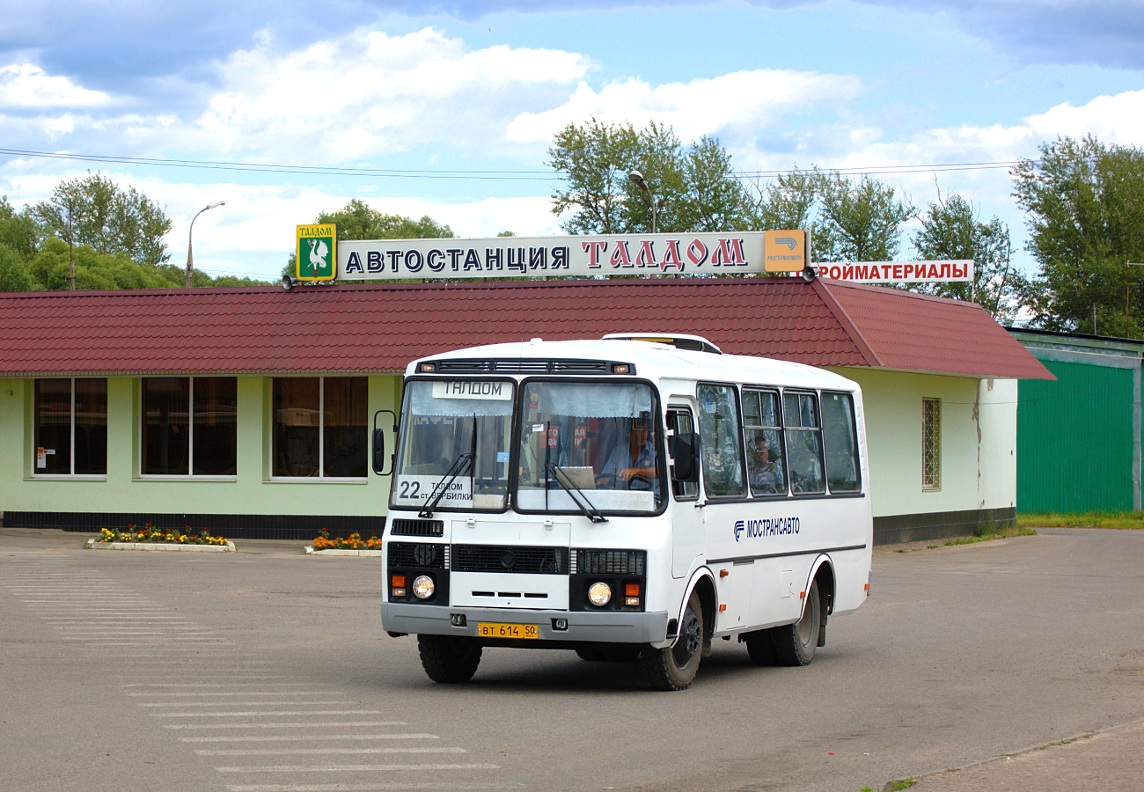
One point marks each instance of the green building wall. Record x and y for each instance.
(1079, 438)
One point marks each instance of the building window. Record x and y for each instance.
(71, 427)
(931, 444)
(320, 427)
(190, 426)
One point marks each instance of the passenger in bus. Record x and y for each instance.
(631, 465)
(765, 473)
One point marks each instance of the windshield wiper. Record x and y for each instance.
(460, 464)
(566, 483)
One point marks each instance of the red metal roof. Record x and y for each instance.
(379, 328)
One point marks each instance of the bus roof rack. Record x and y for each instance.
(693, 343)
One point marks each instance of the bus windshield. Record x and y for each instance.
(454, 435)
(598, 439)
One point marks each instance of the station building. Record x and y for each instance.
(248, 411)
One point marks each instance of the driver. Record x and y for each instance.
(633, 463)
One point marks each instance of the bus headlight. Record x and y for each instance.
(600, 594)
(423, 587)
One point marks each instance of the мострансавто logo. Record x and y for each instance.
(767, 526)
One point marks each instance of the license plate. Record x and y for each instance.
(499, 630)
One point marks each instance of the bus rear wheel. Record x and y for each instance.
(794, 644)
(674, 668)
(447, 658)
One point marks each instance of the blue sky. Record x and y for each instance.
(284, 109)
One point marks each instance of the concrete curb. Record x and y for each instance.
(362, 553)
(229, 547)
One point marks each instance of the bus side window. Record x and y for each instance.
(803, 442)
(721, 445)
(763, 428)
(680, 422)
(841, 442)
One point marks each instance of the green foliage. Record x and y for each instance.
(94, 270)
(786, 202)
(595, 159)
(15, 274)
(18, 230)
(1086, 221)
(688, 188)
(358, 221)
(1092, 519)
(856, 221)
(950, 230)
(94, 211)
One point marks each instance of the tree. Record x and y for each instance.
(14, 271)
(94, 211)
(357, 220)
(786, 202)
(94, 270)
(1084, 205)
(715, 199)
(856, 221)
(950, 230)
(687, 188)
(18, 230)
(596, 160)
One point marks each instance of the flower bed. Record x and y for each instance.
(149, 534)
(323, 541)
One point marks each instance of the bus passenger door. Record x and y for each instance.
(688, 533)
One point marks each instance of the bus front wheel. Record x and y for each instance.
(674, 668)
(447, 658)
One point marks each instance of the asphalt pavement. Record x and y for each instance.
(1110, 759)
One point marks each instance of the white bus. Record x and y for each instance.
(634, 497)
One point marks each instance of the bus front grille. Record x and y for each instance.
(510, 559)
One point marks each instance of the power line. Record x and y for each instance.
(471, 175)
(279, 168)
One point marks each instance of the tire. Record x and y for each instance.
(674, 668)
(794, 644)
(449, 659)
(761, 647)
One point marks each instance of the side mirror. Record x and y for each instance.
(378, 451)
(377, 445)
(684, 447)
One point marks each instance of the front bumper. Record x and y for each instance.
(583, 626)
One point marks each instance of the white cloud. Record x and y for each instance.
(741, 102)
(27, 86)
(368, 94)
(1115, 119)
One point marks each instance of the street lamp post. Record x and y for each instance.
(637, 178)
(190, 234)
